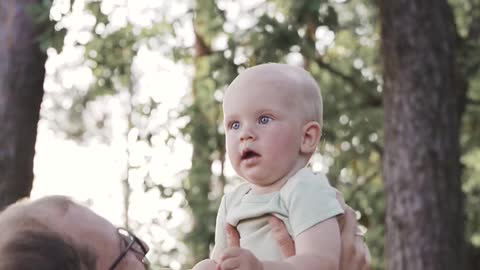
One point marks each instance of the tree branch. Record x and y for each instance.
(471, 101)
(201, 48)
(371, 100)
(336, 72)
(474, 29)
(472, 69)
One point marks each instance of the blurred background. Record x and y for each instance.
(117, 104)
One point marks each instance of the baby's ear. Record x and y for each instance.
(311, 135)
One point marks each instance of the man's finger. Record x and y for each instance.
(341, 200)
(284, 240)
(231, 252)
(350, 222)
(230, 263)
(368, 258)
(233, 237)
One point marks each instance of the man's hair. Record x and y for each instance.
(43, 250)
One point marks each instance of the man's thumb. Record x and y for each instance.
(233, 237)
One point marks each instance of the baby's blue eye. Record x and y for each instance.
(264, 120)
(235, 125)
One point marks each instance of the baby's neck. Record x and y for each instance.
(277, 185)
(270, 188)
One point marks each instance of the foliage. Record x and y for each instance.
(114, 96)
(337, 41)
(202, 188)
(471, 187)
(467, 15)
(51, 36)
(347, 68)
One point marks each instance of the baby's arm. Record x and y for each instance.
(316, 248)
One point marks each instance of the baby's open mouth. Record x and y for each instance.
(249, 154)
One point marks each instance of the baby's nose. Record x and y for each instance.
(247, 134)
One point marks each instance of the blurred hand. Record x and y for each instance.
(355, 254)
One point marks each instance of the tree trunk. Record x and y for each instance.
(421, 161)
(22, 73)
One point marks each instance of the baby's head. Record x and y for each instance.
(290, 82)
(273, 120)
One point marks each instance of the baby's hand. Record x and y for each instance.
(239, 258)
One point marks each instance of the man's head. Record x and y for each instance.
(273, 119)
(56, 233)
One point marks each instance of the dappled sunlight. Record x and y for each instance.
(131, 121)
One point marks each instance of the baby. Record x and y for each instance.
(273, 123)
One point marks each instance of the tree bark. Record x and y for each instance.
(421, 162)
(22, 74)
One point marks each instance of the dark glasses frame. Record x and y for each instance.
(134, 244)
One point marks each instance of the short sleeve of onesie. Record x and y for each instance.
(309, 199)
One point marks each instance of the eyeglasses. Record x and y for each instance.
(132, 243)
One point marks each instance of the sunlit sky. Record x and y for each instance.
(91, 172)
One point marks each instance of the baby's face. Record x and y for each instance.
(263, 126)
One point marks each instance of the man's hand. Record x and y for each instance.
(284, 240)
(240, 259)
(235, 257)
(233, 237)
(355, 253)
